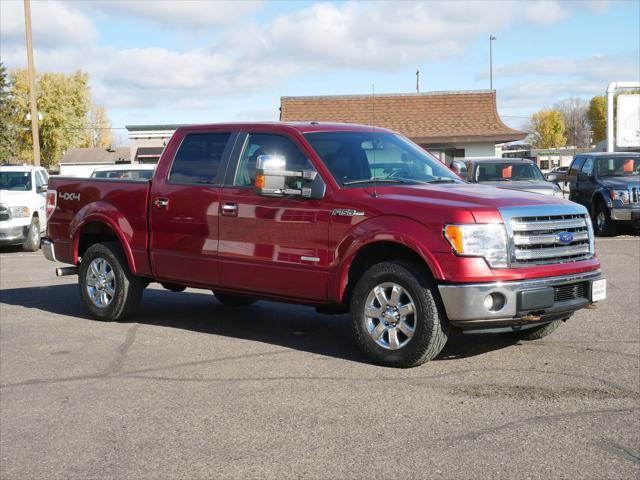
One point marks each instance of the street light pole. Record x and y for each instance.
(32, 86)
(491, 39)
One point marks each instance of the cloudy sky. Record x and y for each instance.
(208, 61)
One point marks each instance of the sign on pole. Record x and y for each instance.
(628, 121)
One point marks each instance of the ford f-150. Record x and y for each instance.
(337, 216)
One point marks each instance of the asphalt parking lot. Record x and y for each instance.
(190, 389)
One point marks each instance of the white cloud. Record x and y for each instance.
(179, 14)
(54, 24)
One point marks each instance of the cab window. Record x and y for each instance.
(267, 144)
(576, 166)
(587, 168)
(199, 158)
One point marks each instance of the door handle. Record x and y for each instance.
(161, 202)
(229, 209)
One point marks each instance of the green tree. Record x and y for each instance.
(597, 115)
(7, 130)
(548, 129)
(63, 101)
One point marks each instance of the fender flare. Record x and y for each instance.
(400, 230)
(107, 214)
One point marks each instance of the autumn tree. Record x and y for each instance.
(576, 121)
(548, 129)
(7, 129)
(597, 117)
(98, 132)
(64, 102)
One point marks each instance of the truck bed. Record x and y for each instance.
(112, 202)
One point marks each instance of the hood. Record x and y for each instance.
(16, 198)
(620, 183)
(535, 186)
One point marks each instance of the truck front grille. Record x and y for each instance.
(550, 239)
(563, 293)
(4, 213)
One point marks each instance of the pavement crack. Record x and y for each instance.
(121, 353)
(619, 450)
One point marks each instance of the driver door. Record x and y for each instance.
(272, 245)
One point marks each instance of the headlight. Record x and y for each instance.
(19, 212)
(622, 195)
(488, 241)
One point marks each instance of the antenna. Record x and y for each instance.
(418, 81)
(373, 130)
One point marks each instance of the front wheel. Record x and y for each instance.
(32, 242)
(397, 320)
(603, 224)
(108, 289)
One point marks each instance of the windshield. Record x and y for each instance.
(618, 166)
(20, 181)
(361, 158)
(507, 172)
(124, 174)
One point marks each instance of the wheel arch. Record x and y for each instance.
(98, 229)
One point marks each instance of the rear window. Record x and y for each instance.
(124, 174)
(198, 159)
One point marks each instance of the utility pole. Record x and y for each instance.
(491, 39)
(32, 86)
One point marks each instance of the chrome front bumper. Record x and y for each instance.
(625, 214)
(12, 235)
(524, 301)
(48, 250)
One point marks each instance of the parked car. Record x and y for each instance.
(22, 205)
(513, 173)
(557, 175)
(125, 172)
(331, 215)
(608, 185)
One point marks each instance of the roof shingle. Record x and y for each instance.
(435, 117)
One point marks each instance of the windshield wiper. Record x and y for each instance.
(442, 180)
(375, 179)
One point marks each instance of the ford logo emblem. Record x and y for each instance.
(564, 237)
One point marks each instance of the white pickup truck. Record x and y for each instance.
(23, 218)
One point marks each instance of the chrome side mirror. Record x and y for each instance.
(272, 176)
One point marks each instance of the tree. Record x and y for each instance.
(597, 113)
(98, 133)
(574, 113)
(63, 101)
(7, 130)
(597, 116)
(548, 129)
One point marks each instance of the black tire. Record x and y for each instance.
(431, 329)
(32, 242)
(128, 288)
(603, 225)
(535, 333)
(229, 300)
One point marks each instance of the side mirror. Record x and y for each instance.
(42, 188)
(552, 177)
(272, 176)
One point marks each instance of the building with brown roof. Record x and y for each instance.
(449, 124)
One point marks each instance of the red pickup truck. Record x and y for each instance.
(337, 216)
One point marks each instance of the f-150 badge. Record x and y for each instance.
(346, 212)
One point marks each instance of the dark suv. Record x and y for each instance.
(608, 184)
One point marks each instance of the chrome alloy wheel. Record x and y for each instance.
(100, 283)
(601, 221)
(390, 315)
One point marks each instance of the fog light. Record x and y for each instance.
(494, 302)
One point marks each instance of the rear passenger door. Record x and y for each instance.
(185, 202)
(572, 179)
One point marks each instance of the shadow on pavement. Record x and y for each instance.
(291, 326)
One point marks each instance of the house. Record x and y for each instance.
(146, 142)
(80, 162)
(449, 124)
